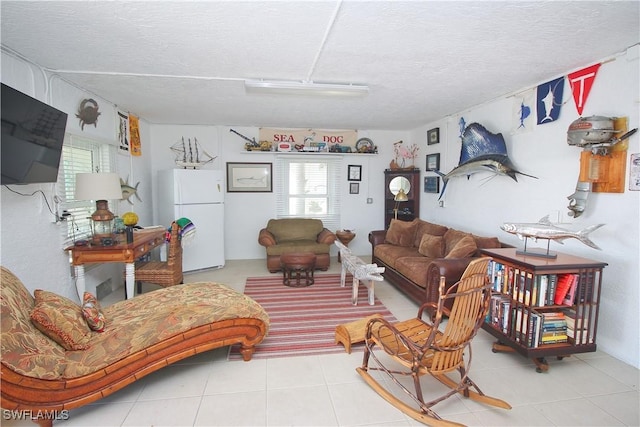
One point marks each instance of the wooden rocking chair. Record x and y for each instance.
(423, 349)
(163, 273)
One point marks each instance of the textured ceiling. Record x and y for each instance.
(185, 62)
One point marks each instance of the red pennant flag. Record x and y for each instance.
(581, 82)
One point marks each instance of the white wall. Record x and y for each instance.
(32, 244)
(247, 213)
(481, 204)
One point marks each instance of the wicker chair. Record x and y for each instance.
(162, 273)
(422, 348)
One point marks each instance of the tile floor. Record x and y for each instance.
(592, 389)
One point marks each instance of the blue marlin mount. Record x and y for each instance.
(482, 151)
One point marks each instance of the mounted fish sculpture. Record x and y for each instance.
(544, 229)
(128, 191)
(482, 151)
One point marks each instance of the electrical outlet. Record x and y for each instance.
(369, 200)
(441, 203)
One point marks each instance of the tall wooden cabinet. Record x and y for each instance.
(529, 315)
(409, 210)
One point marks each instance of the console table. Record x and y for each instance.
(144, 241)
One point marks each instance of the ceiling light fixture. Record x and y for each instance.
(285, 87)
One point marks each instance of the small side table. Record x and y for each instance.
(345, 236)
(294, 264)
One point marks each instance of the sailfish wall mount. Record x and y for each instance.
(482, 151)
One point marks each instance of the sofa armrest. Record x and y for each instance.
(326, 236)
(266, 238)
(377, 237)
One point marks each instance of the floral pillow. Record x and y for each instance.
(60, 319)
(92, 312)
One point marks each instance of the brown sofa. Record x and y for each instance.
(52, 360)
(296, 235)
(415, 254)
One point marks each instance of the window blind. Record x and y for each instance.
(80, 154)
(309, 187)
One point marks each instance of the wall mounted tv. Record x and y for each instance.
(32, 136)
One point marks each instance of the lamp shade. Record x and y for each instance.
(98, 186)
(401, 196)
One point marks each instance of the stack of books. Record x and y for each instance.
(554, 328)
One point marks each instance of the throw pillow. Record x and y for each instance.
(92, 312)
(465, 247)
(486, 242)
(425, 227)
(60, 319)
(431, 246)
(401, 233)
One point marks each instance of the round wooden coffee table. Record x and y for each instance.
(293, 267)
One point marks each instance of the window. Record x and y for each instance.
(80, 154)
(309, 188)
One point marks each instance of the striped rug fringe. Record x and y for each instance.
(304, 320)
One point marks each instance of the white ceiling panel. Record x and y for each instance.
(184, 62)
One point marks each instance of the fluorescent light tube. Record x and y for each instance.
(285, 87)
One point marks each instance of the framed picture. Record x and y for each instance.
(249, 177)
(433, 136)
(433, 162)
(355, 173)
(354, 188)
(431, 184)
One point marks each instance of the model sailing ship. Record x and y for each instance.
(190, 155)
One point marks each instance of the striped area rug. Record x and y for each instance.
(303, 320)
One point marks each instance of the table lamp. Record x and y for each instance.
(401, 196)
(99, 187)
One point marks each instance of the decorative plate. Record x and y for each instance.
(364, 145)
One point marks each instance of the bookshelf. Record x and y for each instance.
(409, 210)
(530, 311)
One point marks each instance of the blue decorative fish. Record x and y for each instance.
(481, 151)
(525, 111)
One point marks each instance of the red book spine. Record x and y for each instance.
(564, 283)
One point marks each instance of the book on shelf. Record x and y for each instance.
(571, 293)
(551, 288)
(562, 287)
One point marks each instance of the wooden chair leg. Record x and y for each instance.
(139, 287)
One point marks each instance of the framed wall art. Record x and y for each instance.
(249, 177)
(433, 136)
(354, 173)
(433, 162)
(354, 188)
(431, 184)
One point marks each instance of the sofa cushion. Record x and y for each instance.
(389, 253)
(465, 247)
(424, 227)
(92, 312)
(401, 233)
(60, 319)
(299, 246)
(293, 229)
(432, 246)
(158, 316)
(414, 268)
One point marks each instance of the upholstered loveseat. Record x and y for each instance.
(296, 235)
(52, 359)
(416, 254)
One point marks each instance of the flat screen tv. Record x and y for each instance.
(32, 137)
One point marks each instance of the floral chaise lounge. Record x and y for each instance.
(68, 364)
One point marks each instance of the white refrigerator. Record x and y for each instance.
(199, 196)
